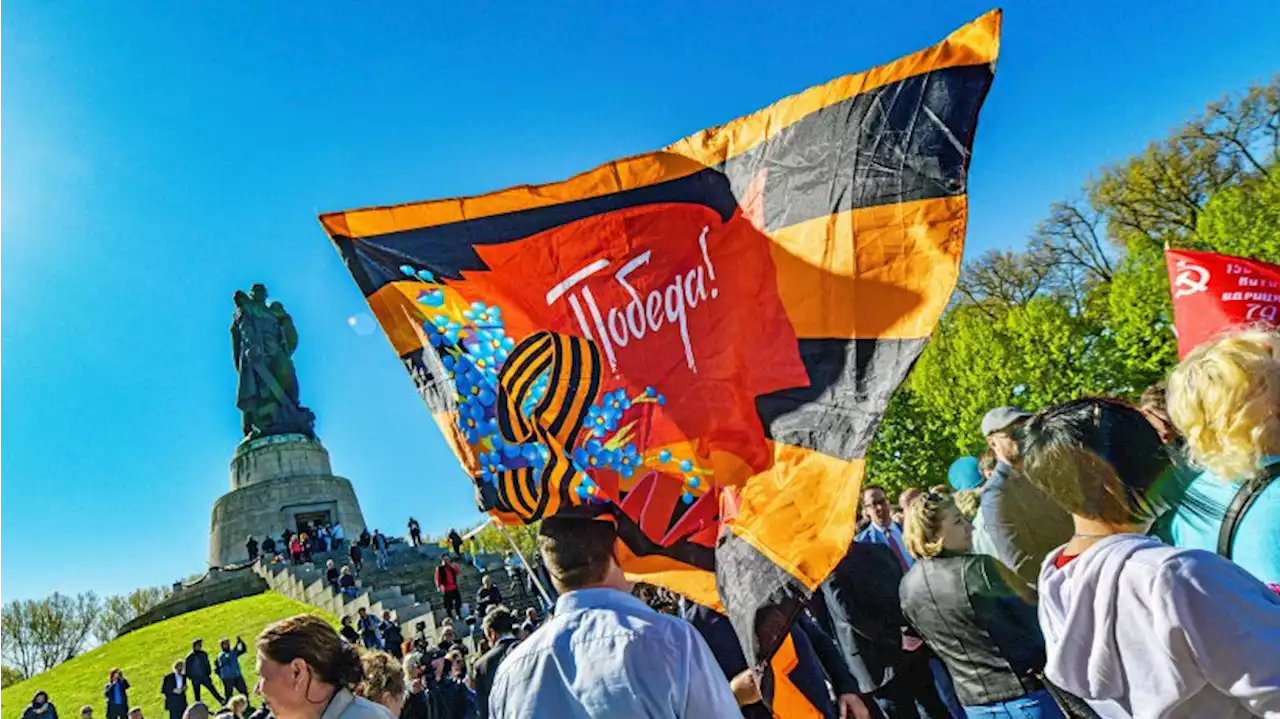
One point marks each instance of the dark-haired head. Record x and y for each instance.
(302, 661)
(1098, 458)
(579, 552)
(498, 622)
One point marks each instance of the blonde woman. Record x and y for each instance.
(967, 612)
(1225, 400)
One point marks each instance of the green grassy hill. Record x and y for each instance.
(147, 654)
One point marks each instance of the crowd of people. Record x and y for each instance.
(1103, 559)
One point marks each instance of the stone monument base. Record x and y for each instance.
(278, 482)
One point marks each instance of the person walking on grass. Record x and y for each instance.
(117, 693)
(227, 666)
(200, 671)
(174, 690)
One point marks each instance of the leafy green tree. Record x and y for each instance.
(120, 609)
(906, 451)
(9, 676)
(493, 540)
(1245, 220)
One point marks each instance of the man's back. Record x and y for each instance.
(606, 654)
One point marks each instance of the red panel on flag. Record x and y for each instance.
(1213, 293)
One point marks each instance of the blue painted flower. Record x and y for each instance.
(509, 450)
(473, 422)
(426, 276)
(491, 466)
(686, 465)
(483, 316)
(664, 456)
(536, 393)
(616, 400)
(475, 387)
(627, 460)
(456, 365)
(408, 270)
(444, 331)
(593, 455)
(431, 298)
(601, 420)
(495, 343)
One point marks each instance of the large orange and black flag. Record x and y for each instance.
(698, 341)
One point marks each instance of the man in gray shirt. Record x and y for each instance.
(1020, 524)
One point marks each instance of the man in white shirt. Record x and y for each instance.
(174, 689)
(881, 528)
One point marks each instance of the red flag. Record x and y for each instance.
(1213, 293)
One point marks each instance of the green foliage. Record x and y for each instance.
(147, 654)
(1084, 309)
(37, 634)
(1245, 220)
(493, 540)
(9, 676)
(118, 610)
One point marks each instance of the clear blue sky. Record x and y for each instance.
(159, 156)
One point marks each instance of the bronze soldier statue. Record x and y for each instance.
(263, 339)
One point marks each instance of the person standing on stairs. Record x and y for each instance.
(487, 596)
(368, 625)
(415, 533)
(455, 541)
(380, 549)
(447, 582)
(356, 556)
(392, 637)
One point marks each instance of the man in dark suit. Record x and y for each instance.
(200, 671)
(174, 690)
(859, 607)
(820, 661)
(499, 627)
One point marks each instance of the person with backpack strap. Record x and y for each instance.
(1224, 398)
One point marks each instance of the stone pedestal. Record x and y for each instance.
(277, 482)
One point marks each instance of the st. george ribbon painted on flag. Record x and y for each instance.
(697, 342)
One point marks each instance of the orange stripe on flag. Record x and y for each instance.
(788, 701)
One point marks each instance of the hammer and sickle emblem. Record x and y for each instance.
(1191, 279)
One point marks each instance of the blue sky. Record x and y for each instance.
(159, 156)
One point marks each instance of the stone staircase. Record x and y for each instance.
(406, 588)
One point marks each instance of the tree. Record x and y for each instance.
(38, 634)
(907, 451)
(120, 609)
(9, 676)
(1245, 220)
(492, 539)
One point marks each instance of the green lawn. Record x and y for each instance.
(147, 654)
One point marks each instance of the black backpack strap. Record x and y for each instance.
(1240, 504)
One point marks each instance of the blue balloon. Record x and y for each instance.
(964, 474)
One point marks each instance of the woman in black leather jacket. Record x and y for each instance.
(965, 609)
